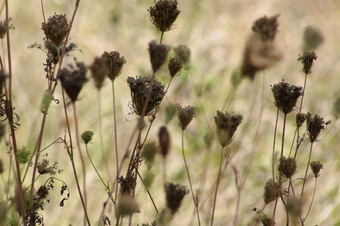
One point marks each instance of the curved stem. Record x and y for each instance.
(274, 141)
(217, 183)
(188, 174)
(311, 203)
(307, 167)
(81, 158)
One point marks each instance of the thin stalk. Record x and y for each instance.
(81, 157)
(160, 41)
(274, 141)
(303, 93)
(274, 211)
(311, 203)
(100, 127)
(217, 183)
(147, 190)
(115, 137)
(188, 174)
(307, 167)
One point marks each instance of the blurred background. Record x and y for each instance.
(216, 32)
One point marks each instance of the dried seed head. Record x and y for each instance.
(267, 221)
(170, 111)
(300, 119)
(266, 27)
(258, 55)
(99, 69)
(44, 167)
(174, 196)
(163, 14)
(286, 95)
(316, 167)
(115, 64)
(182, 53)
(315, 125)
(174, 66)
(149, 153)
(307, 59)
(294, 206)
(56, 28)
(139, 88)
(185, 115)
(1, 167)
(164, 141)
(271, 191)
(226, 125)
(127, 184)
(3, 28)
(86, 137)
(127, 205)
(42, 192)
(312, 38)
(287, 166)
(72, 79)
(158, 54)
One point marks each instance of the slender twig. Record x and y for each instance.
(217, 183)
(274, 141)
(188, 174)
(307, 167)
(160, 41)
(311, 203)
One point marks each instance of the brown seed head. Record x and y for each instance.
(164, 141)
(72, 79)
(99, 69)
(182, 53)
(271, 191)
(42, 192)
(315, 125)
(226, 124)
(312, 38)
(266, 27)
(139, 88)
(185, 115)
(287, 166)
(115, 64)
(316, 168)
(163, 14)
(158, 54)
(307, 59)
(174, 66)
(286, 96)
(56, 28)
(174, 196)
(300, 119)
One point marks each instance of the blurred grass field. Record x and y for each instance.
(216, 32)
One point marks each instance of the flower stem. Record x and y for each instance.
(274, 141)
(307, 167)
(217, 183)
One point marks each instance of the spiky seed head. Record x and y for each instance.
(315, 125)
(316, 167)
(174, 66)
(185, 115)
(158, 54)
(266, 27)
(56, 28)
(174, 196)
(287, 166)
(115, 64)
(163, 14)
(86, 137)
(286, 95)
(226, 124)
(300, 119)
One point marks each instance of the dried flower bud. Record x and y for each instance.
(115, 64)
(164, 14)
(87, 136)
(174, 196)
(286, 96)
(287, 166)
(164, 141)
(307, 59)
(149, 153)
(99, 69)
(300, 119)
(266, 27)
(185, 115)
(1, 167)
(271, 191)
(315, 125)
(169, 112)
(72, 79)
(267, 221)
(182, 53)
(174, 66)
(226, 124)
(294, 206)
(56, 28)
(127, 205)
(258, 55)
(158, 54)
(312, 38)
(139, 88)
(42, 192)
(316, 167)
